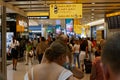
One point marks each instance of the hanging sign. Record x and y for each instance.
(77, 26)
(65, 11)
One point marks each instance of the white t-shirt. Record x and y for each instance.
(89, 45)
(76, 48)
(13, 45)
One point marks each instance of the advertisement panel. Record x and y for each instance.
(69, 26)
(9, 36)
(58, 29)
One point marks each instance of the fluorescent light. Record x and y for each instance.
(36, 31)
(33, 23)
(101, 21)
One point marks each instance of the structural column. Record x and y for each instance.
(3, 42)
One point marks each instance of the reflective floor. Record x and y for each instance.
(22, 69)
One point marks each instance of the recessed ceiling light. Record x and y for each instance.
(92, 14)
(92, 9)
(93, 3)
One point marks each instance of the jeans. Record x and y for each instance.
(76, 56)
(90, 57)
(40, 57)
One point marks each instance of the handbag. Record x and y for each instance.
(30, 54)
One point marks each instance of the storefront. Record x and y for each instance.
(98, 32)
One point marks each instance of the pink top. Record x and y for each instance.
(97, 72)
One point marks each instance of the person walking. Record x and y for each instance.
(14, 51)
(28, 49)
(41, 47)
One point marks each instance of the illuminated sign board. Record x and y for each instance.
(21, 23)
(38, 17)
(65, 11)
(69, 25)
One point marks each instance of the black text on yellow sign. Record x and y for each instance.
(63, 11)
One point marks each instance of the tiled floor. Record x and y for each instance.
(22, 69)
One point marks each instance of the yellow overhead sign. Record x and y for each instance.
(78, 29)
(37, 14)
(77, 26)
(65, 11)
(112, 14)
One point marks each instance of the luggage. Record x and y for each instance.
(88, 65)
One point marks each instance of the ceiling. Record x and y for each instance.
(92, 9)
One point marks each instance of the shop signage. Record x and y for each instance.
(60, 11)
(21, 23)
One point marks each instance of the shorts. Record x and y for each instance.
(82, 57)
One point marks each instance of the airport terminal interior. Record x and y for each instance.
(94, 20)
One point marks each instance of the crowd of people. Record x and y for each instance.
(65, 58)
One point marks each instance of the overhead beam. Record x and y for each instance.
(16, 9)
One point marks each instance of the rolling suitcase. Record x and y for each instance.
(88, 65)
